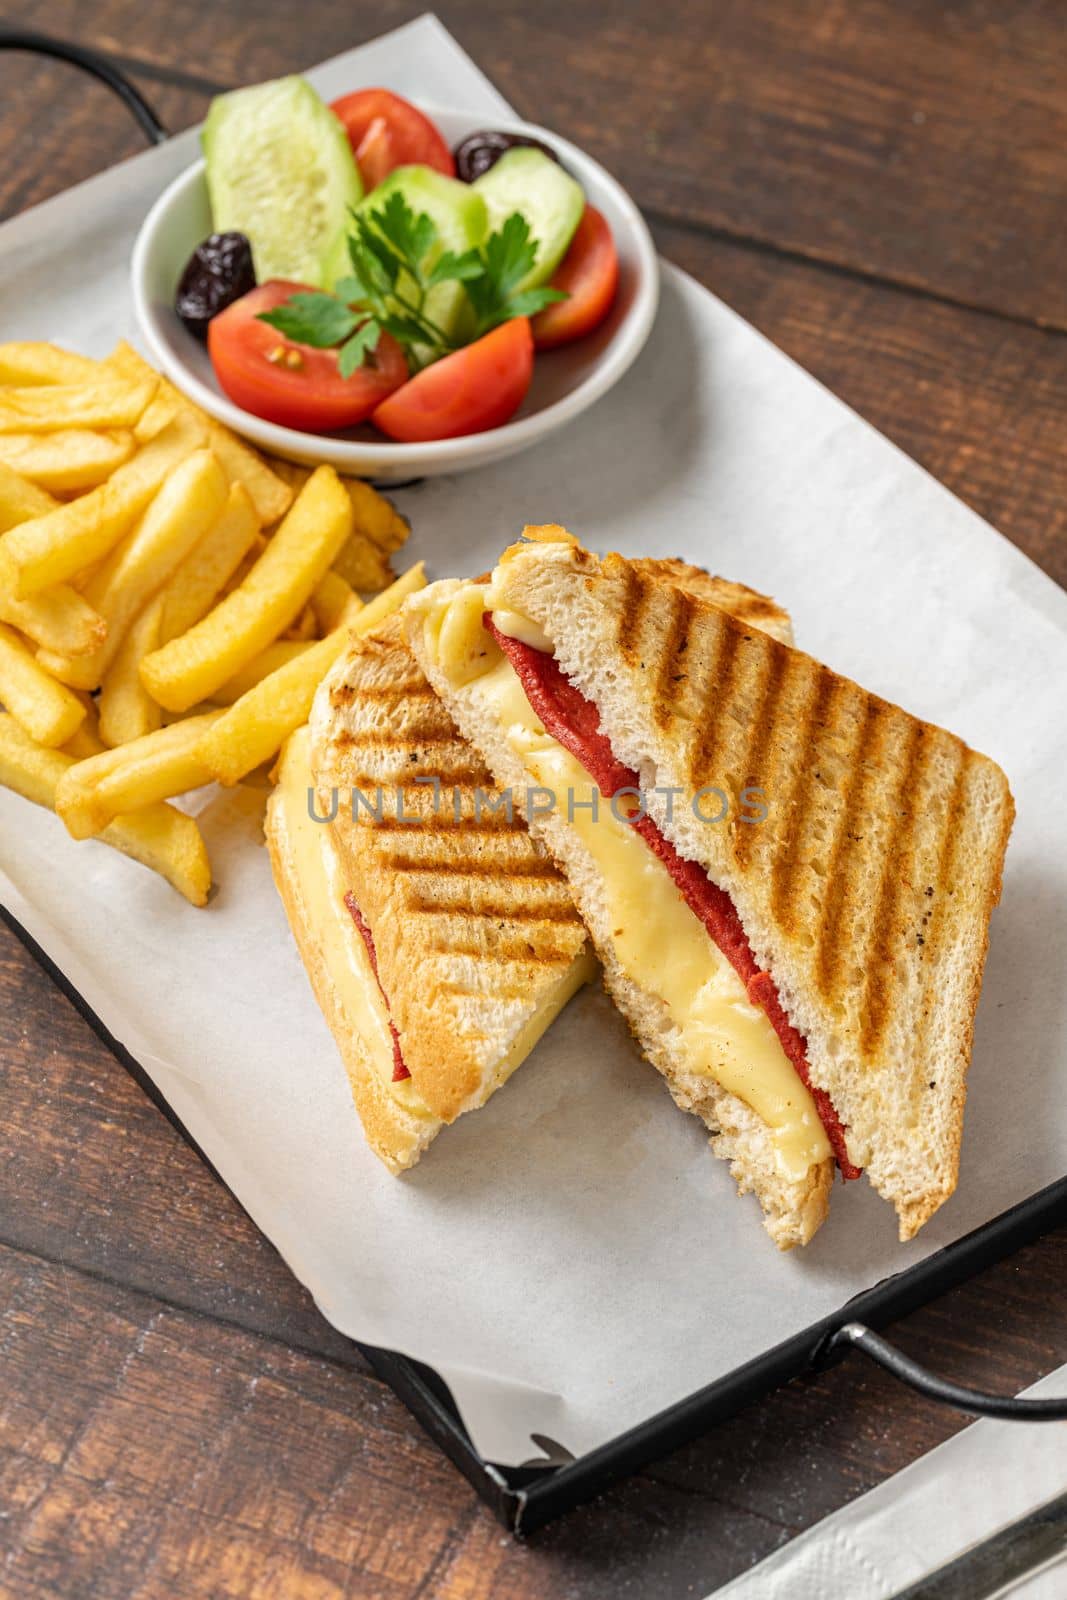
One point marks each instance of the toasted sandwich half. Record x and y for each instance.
(439, 939)
(791, 889)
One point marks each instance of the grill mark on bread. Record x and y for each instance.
(487, 827)
(526, 866)
(425, 735)
(864, 759)
(760, 722)
(404, 692)
(788, 860)
(631, 603)
(716, 701)
(499, 911)
(664, 692)
(521, 953)
(895, 883)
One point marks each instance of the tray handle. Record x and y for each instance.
(857, 1336)
(98, 66)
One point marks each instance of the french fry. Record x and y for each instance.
(192, 499)
(362, 565)
(21, 500)
(85, 741)
(270, 496)
(193, 589)
(257, 725)
(161, 409)
(68, 461)
(331, 602)
(46, 407)
(244, 567)
(48, 711)
(32, 362)
(53, 547)
(132, 776)
(127, 710)
(377, 521)
(191, 667)
(379, 530)
(58, 619)
(276, 655)
(376, 517)
(303, 627)
(290, 472)
(268, 493)
(159, 836)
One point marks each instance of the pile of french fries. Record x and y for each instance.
(170, 599)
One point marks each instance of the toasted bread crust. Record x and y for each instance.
(396, 1136)
(472, 924)
(867, 891)
(747, 605)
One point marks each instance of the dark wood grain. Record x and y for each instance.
(912, 141)
(136, 1477)
(83, 1153)
(978, 400)
(175, 1418)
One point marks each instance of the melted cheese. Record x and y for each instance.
(582, 970)
(659, 942)
(344, 954)
(513, 625)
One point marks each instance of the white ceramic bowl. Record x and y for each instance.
(565, 382)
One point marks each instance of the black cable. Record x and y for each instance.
(99, 66)
(858, 1336)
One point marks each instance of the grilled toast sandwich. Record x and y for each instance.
(789, 881)
(444, 942)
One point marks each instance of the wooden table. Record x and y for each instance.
(880, 187)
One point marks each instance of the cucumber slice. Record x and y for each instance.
(280, 170)
(458, 214)
(528, 181)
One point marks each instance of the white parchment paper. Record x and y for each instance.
(571, 1258)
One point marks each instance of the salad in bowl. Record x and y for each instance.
(393, 289)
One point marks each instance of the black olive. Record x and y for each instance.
(479, 151)
(218, 272)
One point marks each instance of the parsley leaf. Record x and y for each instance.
(393, 270)
(358, 351)
(314, 318)
(410, 236)
(451, 268)
(508, 257)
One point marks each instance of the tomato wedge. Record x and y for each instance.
(386, 132)
(289, 383)
(475, 388)
(589, 275)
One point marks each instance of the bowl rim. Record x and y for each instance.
(510, 437)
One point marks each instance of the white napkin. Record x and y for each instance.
(987, 1477)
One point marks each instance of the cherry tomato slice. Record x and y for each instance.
(589, 273)
(475, 388)
(405, 137)
(289, 383)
